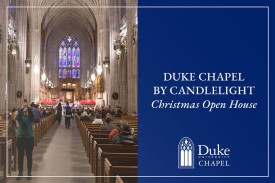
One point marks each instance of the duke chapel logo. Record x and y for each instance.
(206, 156)
(186, 153)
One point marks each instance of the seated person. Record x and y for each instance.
(79, 112)
(134, 113)
(109, 115)
(119, 113)
(97, 119)
(84, 113)
(107, 126)
(113, 112)
(125, 136)
(84, 116)
(117, 129)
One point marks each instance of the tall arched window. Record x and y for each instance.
(69, 58)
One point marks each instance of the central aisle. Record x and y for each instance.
(59, 153)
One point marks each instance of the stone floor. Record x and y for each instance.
(59, 153)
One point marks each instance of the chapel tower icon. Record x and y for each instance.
(186, 153)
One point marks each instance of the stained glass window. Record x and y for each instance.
(69, 58)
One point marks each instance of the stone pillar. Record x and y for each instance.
(99, 54)
(103, 45)
(106, 53)
(131, 57)
(11, 81)
(3, 55)
(115, 16)
(27, 76)
(123, 83)
(21, 24)
(35, 36)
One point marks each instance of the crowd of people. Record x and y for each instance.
(21, 121)
(21, 125)
(121, 133)
(25, 117)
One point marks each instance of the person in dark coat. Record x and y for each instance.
(68, 115)
(125, 136)
(25, 139)
(107, 126)
(59, 112)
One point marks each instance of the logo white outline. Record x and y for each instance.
(187, 141)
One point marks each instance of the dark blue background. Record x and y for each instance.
(203, 40)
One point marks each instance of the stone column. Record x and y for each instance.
(131, 57)
(35, 36)
(3, 55)
(27, 76)
(115, 16)
(103, 46)
(106, 53)
(21, 24)
(123, 83)
(11, 81)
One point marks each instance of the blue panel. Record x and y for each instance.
(197, 40)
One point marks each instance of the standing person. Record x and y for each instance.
(68, 115)
(59, 112)
(73, 109)
(25, 140)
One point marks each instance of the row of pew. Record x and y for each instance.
(8, 140)
(109, 162)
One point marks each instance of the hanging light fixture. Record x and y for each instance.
(43, 76)
(93, 77)
(36, 69)
(99, 68)
(13, 48)
(106, 62)
(28, 65)
(118, 47)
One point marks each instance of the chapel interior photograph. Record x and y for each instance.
(68, 90)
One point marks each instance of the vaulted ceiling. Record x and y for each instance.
(62, 17)
(68, 12)
(56, 18)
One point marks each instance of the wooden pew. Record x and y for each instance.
(121, 167)
(95, 134)
(125, 179)
(96, 142)
(109, 148)
(3, 156)
(118, 179)
(113, 148)
(110, 156)
(93, 139)
(88, 131)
